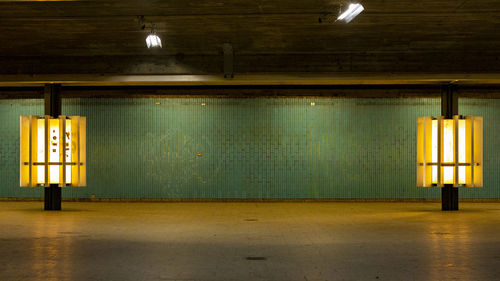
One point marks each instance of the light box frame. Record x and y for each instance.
(30, 151)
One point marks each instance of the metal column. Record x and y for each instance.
(449, 107)
(52, 97)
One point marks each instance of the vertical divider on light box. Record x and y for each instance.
(25, 159)
(78, 150)
(478, 150)
(31, 168)
(469, 150)
(455, 151)
(472, 159)
(75, 155)
(424, 151)
(34, 150)
(82, 126)
(440, 151)
(421, 151)
(428, 150)
(46, 150)
(62, 150)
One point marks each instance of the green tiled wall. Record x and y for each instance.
(250, 147)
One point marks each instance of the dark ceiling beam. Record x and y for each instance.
(374, 62)
(262, 79)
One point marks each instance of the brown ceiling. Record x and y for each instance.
(267, 36)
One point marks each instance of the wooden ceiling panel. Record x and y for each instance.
(249, 34)
(389, 31)
(24, 8)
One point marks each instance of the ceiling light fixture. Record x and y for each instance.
(153, 41)
(349, 14)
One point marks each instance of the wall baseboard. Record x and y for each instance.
(239, 200)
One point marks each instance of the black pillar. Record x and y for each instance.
(52, 97)
(449, 107)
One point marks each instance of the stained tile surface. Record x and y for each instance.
(283, 147)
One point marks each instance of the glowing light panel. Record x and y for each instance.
(52, 156)
(450, 151)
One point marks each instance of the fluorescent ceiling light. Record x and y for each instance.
(351, 12)
(153, 41)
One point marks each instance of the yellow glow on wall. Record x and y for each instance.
(53, 156)
(450, 151)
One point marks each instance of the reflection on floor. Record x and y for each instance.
(249, 241)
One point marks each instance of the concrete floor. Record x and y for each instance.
(211, 241)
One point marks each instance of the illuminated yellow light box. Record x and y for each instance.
(450, 151)
(53, 156)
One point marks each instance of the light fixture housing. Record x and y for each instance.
(52, 151)
(153, 41)
(351, 12)
(450, 151)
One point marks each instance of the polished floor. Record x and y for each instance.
(249, 241)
